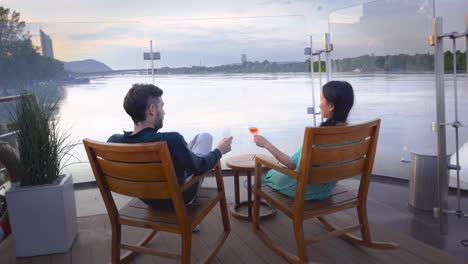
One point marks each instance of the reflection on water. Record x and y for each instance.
(222, 104)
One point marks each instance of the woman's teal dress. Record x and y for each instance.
(287, 186)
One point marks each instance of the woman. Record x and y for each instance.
(336, 101)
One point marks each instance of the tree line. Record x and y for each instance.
(399, 63)
(248, 67)
(364, 63)
(21, 64)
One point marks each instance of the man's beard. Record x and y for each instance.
(158, 124)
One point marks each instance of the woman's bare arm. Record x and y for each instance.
(279, 155)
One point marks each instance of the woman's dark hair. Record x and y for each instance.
(138, 99)
(341, 95)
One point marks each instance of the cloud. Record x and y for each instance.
(218, 31)
(108, 32)
(181, 42)
(275, 2)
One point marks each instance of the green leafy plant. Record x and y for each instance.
(42, 146)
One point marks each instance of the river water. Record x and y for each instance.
(224, 104)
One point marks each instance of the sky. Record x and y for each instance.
(214, 32)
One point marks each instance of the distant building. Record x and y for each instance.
(244, 59)
(46, 45)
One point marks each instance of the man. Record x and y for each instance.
(144, 104)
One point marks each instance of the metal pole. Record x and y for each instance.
(312, 78)
(466, 40)
(441, 131)
(320, 79)
(454, 47)
(455, 94)
(328, 50)
(152, 60)
(320, 71)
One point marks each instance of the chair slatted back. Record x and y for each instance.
(137, 170)
(334, 153)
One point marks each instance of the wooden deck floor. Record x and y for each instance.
(93, 244)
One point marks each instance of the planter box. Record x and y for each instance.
(43, 218)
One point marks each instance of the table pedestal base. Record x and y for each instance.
(265, 210)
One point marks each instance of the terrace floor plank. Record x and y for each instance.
(92, 244)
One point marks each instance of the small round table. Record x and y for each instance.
(246, 163)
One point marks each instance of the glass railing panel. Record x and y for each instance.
(99, 60)
(209, 88)
(208, 85)
(455, 19)
(381, 48)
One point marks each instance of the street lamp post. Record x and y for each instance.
(152, 56)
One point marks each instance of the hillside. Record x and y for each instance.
(86, 66)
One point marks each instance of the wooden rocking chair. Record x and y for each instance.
(329, 154)
(146, 171)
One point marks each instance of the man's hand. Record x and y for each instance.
(224, 145)
(261, 141)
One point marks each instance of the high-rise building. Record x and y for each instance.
(46, 45)
(244, 59)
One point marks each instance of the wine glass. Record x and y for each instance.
(253, 128)
(226, 132)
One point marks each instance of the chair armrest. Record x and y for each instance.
(284, 170)
(192, 180)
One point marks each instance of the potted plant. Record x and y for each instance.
(41, 202)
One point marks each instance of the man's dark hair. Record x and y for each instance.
(138, 98)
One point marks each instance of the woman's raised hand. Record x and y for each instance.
(261, 141)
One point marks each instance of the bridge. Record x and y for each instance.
(113, 72)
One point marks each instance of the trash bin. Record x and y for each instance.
(423, 193)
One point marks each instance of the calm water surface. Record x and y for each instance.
(224, 105)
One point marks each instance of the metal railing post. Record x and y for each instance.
(152, 60)
(456, 122)
(466, 40)
(328, 50)
(312, 78)
(442, 176)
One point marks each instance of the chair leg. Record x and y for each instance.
(222, 201)
(300, 242)
(186, 247)
(362, 214)
(291, 258)
(225, 214)
(256, 210)
(264, 237)
(116, 239)
(222, 238)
